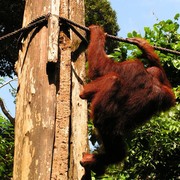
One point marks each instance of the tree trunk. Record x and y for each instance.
(63, 114)
(79, 107)
(71, 123)
(51, 119)
(36, 101)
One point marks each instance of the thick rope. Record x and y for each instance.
(36, 22)
(118, 38)
(44, 19)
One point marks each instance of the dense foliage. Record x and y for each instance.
(6, 148)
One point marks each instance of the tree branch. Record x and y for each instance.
(6, 113)
(8, 82)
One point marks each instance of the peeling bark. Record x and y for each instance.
(36, 102)
(71, 123)
(51, 119)
(79, 132)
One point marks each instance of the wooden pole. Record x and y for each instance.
(71, 119)
(51, 119)
(79, 107)
(36, 100)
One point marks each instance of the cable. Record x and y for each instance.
(44, 19)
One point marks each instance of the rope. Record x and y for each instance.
(118, 38)
(155, 47)
(31, 25)
(44, 19)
